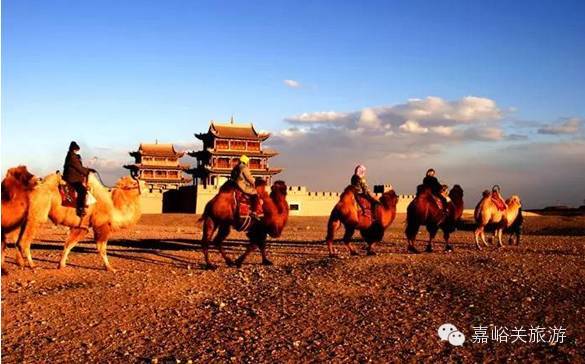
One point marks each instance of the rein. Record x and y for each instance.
(99, 177)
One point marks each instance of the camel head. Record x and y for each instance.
(514, 202)
(128, 184)
(389, 199)
(17, 179)
(456, 193)
(279, 187)
(22, 176)
(260, 186)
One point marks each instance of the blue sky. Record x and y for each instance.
(113, 73)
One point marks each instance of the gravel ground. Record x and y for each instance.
(162, 306)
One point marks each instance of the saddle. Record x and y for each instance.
(244, 209)
(364, 206)
(69, 196)
(499, 204)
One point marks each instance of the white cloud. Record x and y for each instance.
(320, 117)
(413, 127)
(566, 126)
(292, 83)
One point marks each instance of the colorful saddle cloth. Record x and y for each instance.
(501, 205)
(69, 196)
(243, 210)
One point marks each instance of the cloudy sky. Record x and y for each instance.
(484, 92)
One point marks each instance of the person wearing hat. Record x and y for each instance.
(245, 181)
(435, 186)
(360, 186)
(76, 174)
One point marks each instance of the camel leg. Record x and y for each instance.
(483, 238)
(499, 232)
(411, 231)
(332, 226)
(347, 240)
(476, 234)
(75, 235)
(25, 237)
(208, 230)
(222, 233)
(4, 271)
(102, 234)
(432, 233)
(262, 246)
(250, 248)
(446, 236)
(370, 248)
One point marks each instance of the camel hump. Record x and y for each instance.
(228, 187)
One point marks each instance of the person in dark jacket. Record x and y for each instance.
(360, 186)
(76, 174)
(435, 186)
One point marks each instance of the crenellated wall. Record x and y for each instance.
(301, 201)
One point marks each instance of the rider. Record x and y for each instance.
(498, 197)
(245, 181)
(436, 188)
(360, 187)
(76, 174)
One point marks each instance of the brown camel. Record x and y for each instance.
(113, 210)
(220, 214)
(16, 188)
(486, 212)
(347, 213)
(423, 210)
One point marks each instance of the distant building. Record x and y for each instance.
(223, 144)
(159, 167)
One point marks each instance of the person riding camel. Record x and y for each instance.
(497, 198)
(75, 174)
(436, 188)
(360, 187)
(242, 177)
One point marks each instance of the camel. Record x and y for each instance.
(16, 188)
(486, 212)
(113, 210)
(347, 213)
(220, 215)
(423, 210)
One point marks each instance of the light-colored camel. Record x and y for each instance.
(113, 210)
(16, 188)
(486, 212)
(220, 215)
(347, 213)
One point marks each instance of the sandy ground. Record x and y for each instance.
(162, 306)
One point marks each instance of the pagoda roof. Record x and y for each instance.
(233, 131)
(181, 167)
(158, 149)
(261, 153)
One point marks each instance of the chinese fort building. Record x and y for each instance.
(223, 144)
(159, 167)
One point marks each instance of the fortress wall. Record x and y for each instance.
(151, 202)
(301, 201)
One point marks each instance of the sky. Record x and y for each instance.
(485, 92)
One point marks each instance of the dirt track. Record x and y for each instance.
(162, 305)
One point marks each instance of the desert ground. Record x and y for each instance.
(161, 306)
